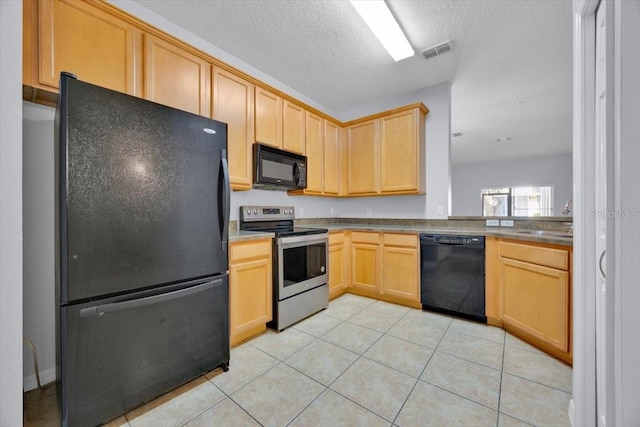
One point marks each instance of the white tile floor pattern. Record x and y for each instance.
(363, 362)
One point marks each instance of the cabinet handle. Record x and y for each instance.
(600, 264)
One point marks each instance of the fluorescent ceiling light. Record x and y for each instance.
(379, 18)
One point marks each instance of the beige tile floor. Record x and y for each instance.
(363, 362)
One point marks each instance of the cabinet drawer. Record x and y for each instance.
(407, 240)
(336, 238)
(363, 237)
(251, 249)
(549, 257)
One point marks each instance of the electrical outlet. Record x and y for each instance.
(506, 223)
(440, 211)
(493, 223)
(301, 210)
(368, 211)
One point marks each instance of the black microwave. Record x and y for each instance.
(275, 169)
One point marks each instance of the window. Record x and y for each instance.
(518, 201)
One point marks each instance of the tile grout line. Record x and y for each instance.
(421, 373)
(328, 387)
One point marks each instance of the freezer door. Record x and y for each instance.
(144, 193)
(120, 353)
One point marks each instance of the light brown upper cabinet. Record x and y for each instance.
(233, 105)
(315, 153)
(279, 122)
(268, 118)
(323, 157)
(176, 77)
(332, 169)
(386, 154)
(402, 155)
(71, 35)
(293, 133)
(363, 158)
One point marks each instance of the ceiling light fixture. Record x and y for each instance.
(378, 17)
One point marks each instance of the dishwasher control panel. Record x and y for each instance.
(453, 240)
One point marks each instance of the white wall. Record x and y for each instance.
(39, 242)
(469, 179)
(627, 235)
(10, 213)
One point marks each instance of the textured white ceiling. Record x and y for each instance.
(510, 66)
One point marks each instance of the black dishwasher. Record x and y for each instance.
(452, 275)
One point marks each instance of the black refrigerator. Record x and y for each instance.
(142, 228)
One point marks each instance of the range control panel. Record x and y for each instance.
(266, 213)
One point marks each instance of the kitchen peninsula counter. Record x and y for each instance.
(519, 232)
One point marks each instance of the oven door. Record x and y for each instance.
(302, 263)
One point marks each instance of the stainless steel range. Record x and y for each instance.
(299, 263)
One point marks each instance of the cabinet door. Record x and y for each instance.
(336, 269)
(365, 265)
(97, 47)
(233, 105)
(268, 107)
(249, 295)
(332, 168)
(362, 158)
(400, 266)
(293, 131)
(535, 299)
(315, 153)
(176, 78)
(399, 154)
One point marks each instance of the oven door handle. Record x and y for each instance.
(293, 241)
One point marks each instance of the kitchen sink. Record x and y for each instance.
(548, 233)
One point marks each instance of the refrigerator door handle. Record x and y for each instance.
(99, 310)
(226, 200)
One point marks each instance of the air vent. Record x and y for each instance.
(437, 50)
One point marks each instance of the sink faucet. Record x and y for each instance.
(566, 209)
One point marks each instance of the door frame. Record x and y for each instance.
(583, 403)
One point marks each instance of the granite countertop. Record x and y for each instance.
(241, 235)
(524, 230)
(511, 233)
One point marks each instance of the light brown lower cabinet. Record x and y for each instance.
(250, 288)
(400, 266)
(338, 263)
(366, 261)
(386, 266)
(529, 293)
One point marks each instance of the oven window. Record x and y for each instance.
(303, 262)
